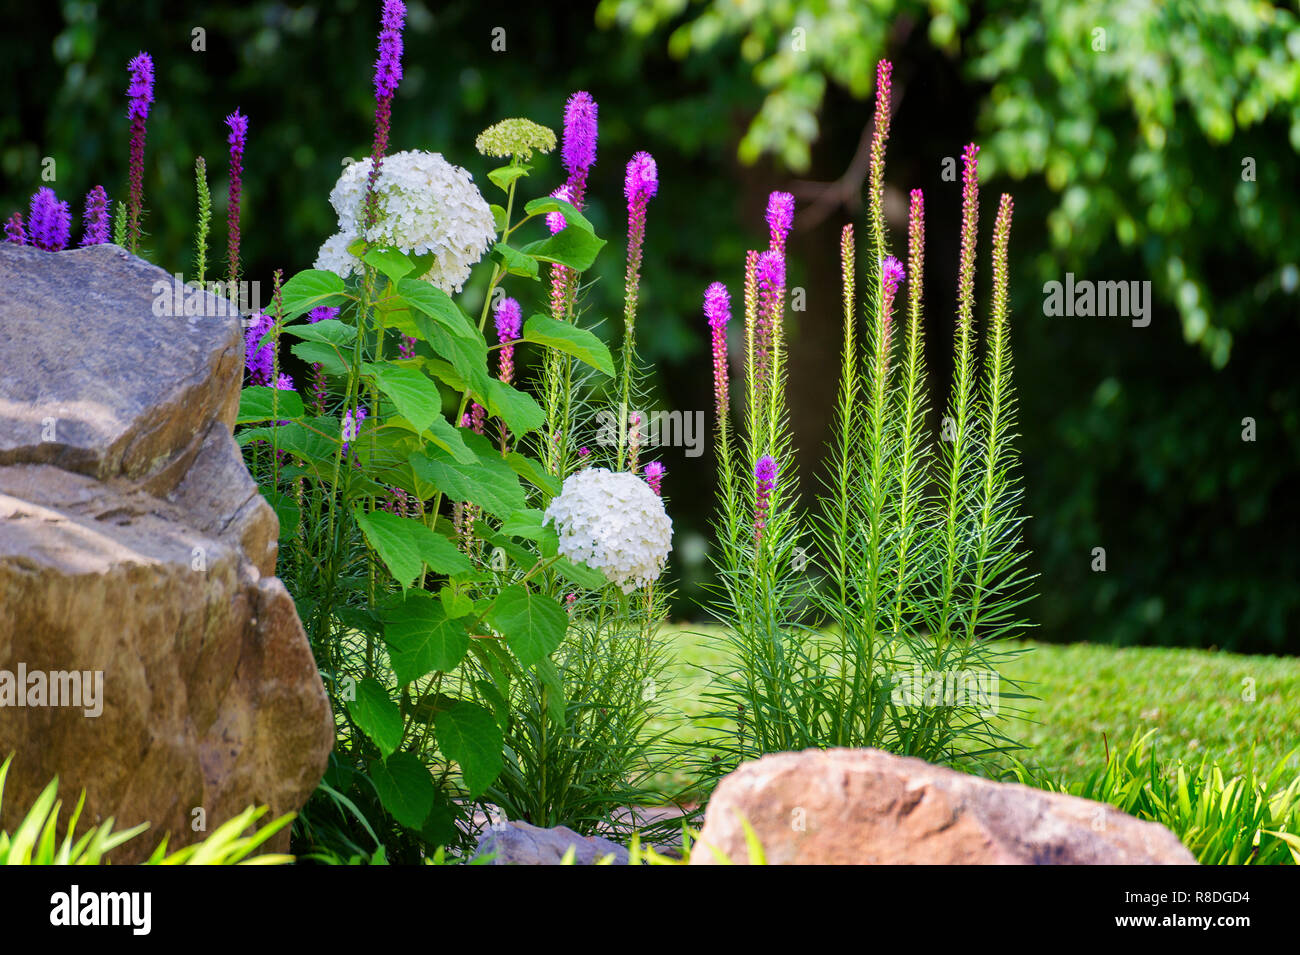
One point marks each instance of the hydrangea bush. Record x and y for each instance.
(445, 532)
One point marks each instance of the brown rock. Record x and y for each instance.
(134, 544)
(864, 807)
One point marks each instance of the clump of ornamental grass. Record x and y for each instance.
(35, 837)
(1251, 819)
(877, 617)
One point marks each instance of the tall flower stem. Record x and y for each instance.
(640, 186)
(140, 92)
(238, 124)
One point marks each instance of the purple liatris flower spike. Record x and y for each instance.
(140, 93)
(892, 274)
(323, 313)
(406, 348)
(555, 221)
(780, 216)
(970, 203)
(15, 232)
(259, 358)
(49, 221)
(509, 322)
(477, 415)
(654, 476)
(717, 309)
(140, 89)
(561, 275)
(642, 180)
(94, 225)
(352, 426)
(388, 66)
(388, 74)
(284, 383)
(238, 138)
(640, 186)
(578, 150)
(770, 278)
(765, 475)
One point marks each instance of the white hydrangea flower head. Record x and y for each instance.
(335, 257)
(613, 522)
(425, 204)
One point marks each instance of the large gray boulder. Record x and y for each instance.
(864, 806)
(136, 550)
(519, 843)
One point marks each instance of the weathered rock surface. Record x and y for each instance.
(134, 543)
(864, 806)
(518, 843)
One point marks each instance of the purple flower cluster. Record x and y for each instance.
(717, 309)
(140, 90)
(49, 221)
(640, 186)
(509, 321)
(578, 150)
(892, 274)
(654, 476)
(780, 216)
(259, 358)
(388, 66)
(642, 180)
(388, 73)
(765, 475)
(555, 221)
(352, 426)
(94, 226)
(140, 93)
(15, 232)
(769, 274)
(238, 138)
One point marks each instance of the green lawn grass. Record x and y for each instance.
(1091, 696)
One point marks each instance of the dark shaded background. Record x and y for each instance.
(1131, 437)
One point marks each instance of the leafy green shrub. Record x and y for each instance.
(425, 500)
